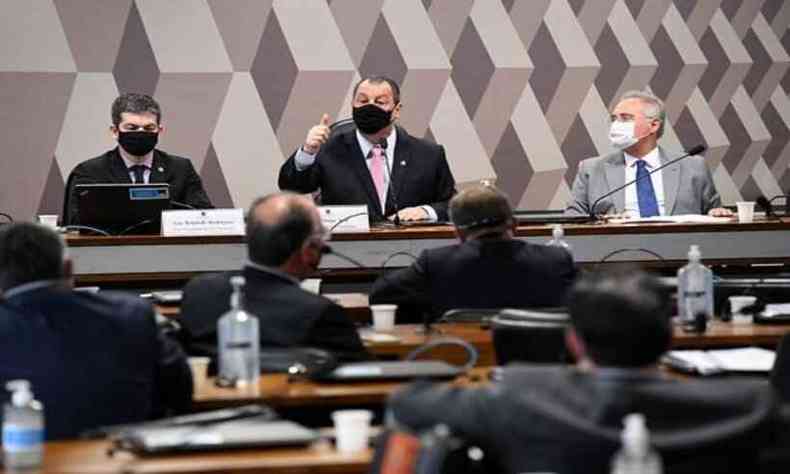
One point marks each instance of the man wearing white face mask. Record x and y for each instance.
(685, 187)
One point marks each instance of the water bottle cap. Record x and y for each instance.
(635, 435)
(237, 282)
(557, 232)
(694, 253)
(20, 392)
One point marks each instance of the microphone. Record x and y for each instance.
(182, 205)
(390, 192)
(766, 205)
(692, 151)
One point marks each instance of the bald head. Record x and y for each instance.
(278, 226)
(481, 209)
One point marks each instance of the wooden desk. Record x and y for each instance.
(100, 260)
(90, 457)
(278, 391)
(719, 334)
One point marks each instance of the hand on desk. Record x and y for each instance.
(720, 212)
(411, 214)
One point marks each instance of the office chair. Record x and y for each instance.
(341, 126)
(65, 215)
(530, 335)
(780, 374)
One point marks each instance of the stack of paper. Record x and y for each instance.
(747, 359)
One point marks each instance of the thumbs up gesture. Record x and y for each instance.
(317, 136)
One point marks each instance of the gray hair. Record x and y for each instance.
(654, 107)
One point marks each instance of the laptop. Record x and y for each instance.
(394, 370)
(548, 217)
(122, 208)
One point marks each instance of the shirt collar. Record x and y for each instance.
(272, 271)
(148, 162)
(366, 146)
(29, 286)
(653, 159)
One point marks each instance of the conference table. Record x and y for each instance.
(91, 457)
(101, 260)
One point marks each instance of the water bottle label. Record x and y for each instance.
(238, 345)
(17, 439)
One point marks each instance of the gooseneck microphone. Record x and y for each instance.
(390, 192)
(692, 151)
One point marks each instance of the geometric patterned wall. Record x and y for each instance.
(516, 90)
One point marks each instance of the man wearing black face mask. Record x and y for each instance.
(136, 126)
(377, 163)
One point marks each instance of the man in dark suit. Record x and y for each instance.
(568, 420)
(373, 163)
(285, 240)
(487, 269)
(92, 359)
(136, 126)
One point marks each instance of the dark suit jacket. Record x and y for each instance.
(289, 316)
(558, 419)
(478, 274)
(93, 360)
(420, 175)
(185, 184)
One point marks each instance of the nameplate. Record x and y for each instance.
(200, 222)
(340, 219)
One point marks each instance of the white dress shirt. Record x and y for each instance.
(304, 160)
(148, 162)
(653, 161)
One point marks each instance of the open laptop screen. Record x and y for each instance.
(123, 208)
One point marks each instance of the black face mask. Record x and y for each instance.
(138, 143)
(371, 118)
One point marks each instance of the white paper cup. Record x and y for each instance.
(352, 429)
(49, 220)
(737, 303)
(199, 367)
(745, 211)
(383, 316)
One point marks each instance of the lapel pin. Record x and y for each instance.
(161, 170)
(403, 163)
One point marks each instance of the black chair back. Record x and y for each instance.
(780, 375)
(530, 335)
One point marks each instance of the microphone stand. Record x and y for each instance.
(693, 151)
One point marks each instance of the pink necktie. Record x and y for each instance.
(377, 171)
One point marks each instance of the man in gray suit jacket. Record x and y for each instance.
(685, 187)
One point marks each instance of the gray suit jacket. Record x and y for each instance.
(688, 186)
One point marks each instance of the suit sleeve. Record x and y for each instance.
(444, 187)
(174, 378)
(335, 332)
(194, 194)
(79, 175)
(709, 195)
(408, 287)
(465, 411)
(580, 200)
(305, 181)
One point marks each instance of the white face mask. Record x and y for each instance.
(621, 134)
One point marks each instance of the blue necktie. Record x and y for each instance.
(645, 194)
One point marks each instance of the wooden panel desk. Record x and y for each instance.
(90, 457)
(281, 391)
(719, 334)
(151, 258)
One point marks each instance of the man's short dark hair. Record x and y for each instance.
(134, 103)
(480, 207)
(379, 80)
(29, 252)
(272, 243)
(622, 316)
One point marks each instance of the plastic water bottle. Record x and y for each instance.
(636, 456)
(239, 344)
(23, 428)
(558, 238)
(695, 288)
